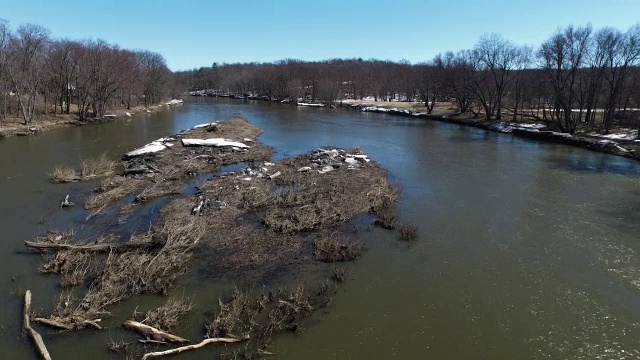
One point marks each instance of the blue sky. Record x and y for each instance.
(193, 33)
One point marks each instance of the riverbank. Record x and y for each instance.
(617, 143)
(624, 144)
(14, 126)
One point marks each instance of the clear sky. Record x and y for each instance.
(193, 33)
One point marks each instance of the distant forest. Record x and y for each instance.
(579, 76)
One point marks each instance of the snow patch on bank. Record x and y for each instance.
(218, 142)
(623, 134)
(152, 147)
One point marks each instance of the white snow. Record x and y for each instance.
(326, 169)
(174, 102)
(310, 105)
(362, 157)
(219, 142)
(626, 134)
(165, 139)
(205, 125)
(152, 147)
(528, 126)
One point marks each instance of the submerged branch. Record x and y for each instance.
(152, 333)
(194, 346)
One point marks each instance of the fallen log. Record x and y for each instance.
(54, 324)
(198, 208)
(273, 176)
(193, 347)
(151, 333)
(69, 326)
(37, 339)
(104, 247)
(92, 323)
(145, 341)
(26, 310)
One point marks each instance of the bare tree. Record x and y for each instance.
(499, 57)
(521, 63)
(27, 59)
(4, 83)
(561, 57)
(621, 53)
(155, 75)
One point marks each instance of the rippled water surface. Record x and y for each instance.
(526, 249)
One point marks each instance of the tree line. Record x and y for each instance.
(577, 77)
(40, 75)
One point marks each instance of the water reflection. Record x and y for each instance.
(526, 249)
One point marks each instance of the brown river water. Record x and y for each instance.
(526, 250)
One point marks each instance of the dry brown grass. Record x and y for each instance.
(172, 167)
(168, 316)
(98, 166)
(73, 267)
(123, 189)
(263, 316)
(157, 189)
(129, 273)
(62, 174)
(386, 218)
(331, 249)
(257, 227)
(89, 169)
(408, 233)
(231, 316)
(294, 209)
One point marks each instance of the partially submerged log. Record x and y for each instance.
(204, 342)
(54, 324)
(103, 247)
(151, 333)
(26, 324)
(66, 203)
(37, 339)
(197, 210)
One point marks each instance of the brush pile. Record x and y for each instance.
(247, 224)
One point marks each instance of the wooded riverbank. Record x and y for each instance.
(16, 127)
(443, 112)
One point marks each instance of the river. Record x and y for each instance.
(525, 249)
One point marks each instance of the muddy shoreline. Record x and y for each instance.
(52, 122)
(593, 144)
(250, 225)
(624, 148)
